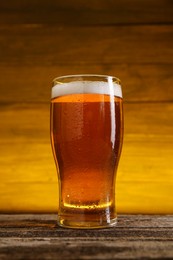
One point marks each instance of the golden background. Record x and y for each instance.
(40, 40)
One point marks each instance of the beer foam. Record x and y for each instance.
(87, 87)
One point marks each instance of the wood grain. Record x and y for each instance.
(145, 170)
(144, 83)
(40, 40)
(38, 237)
(54, 45)
(79, 12)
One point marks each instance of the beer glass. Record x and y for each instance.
(86, 138)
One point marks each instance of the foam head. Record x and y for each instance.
(87, 87)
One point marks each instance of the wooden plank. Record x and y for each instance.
(55, 45)
(86, 12)
(145, 170)
(81, 249)
(134, 237)
(132, 197)
(33, 83)
(42, 221)
(144, 120)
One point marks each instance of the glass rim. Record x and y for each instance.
(85, 84)
(118, 81)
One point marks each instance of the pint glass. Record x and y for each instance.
(86, 138)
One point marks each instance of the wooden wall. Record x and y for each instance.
(40, 40)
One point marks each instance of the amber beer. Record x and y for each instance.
(86, 135)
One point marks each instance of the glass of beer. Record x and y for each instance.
(86, 138)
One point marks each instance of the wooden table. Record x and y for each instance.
(38, 237)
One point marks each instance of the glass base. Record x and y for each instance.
(83, 222)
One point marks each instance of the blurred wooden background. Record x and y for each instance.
(40, 40)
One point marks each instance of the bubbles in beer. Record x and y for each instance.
(86, 134)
